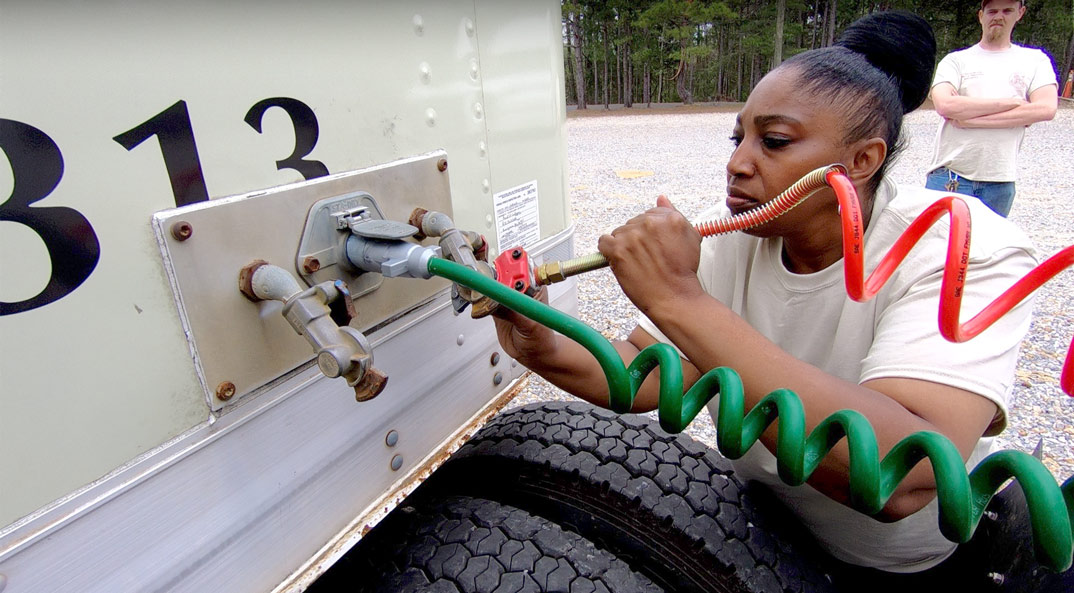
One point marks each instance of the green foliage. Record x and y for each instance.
(720, 48)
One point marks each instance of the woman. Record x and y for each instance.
(770, 303)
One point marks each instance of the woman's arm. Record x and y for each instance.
(572, 368)
(652, 256)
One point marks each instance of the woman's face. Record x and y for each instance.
(783, 133)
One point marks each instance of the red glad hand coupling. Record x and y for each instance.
(513, 270)
(955, 267)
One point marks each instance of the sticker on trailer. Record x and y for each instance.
(517, 217)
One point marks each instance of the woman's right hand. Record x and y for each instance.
(522, 338)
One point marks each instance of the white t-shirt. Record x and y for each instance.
(895, 334)
(988, 154)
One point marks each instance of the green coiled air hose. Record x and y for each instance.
(962, 497)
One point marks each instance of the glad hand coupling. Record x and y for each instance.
(349, 242)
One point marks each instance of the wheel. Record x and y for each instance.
(667, 505)
(471, 545)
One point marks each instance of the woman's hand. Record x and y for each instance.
(655, 256)
(522, 338)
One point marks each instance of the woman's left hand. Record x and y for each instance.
(654, 256)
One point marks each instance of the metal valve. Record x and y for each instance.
(320, 314)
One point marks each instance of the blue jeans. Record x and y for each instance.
(997, 195)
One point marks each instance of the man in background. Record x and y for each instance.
(987, 95)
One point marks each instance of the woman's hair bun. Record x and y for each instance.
(899, 43)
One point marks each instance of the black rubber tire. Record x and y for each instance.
(667, 505)
(471, 545)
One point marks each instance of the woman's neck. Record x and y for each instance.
(821, 244)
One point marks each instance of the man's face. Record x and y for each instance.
(998, 17)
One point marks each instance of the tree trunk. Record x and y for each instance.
(719, 63)
(680, 77)
(628, 69)
(574, 33)
(660, 86)
(647, 87)
(830, 22)
(777, 50)
(816, 21)
(1068, 63)
(607, 56)
(738, 80)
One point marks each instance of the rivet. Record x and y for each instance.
(182, 230)
(392, 439)
(514, 363)
(482, 149)
(474, 70)
(459, 340)
(519, 285)
(497, 378)
(479, 111)
(430, 116)
(426, 72)
(494, 359)
(488, 221)
(441, 165)
(419, 24)
(397, 462)
(469, 25)
(225, 391)
(3, 582)
(485, 185)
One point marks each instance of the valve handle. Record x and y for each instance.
(513, 270)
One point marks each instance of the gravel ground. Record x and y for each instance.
(620, 160)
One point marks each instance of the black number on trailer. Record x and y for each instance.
(73, 247)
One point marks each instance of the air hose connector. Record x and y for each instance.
(813, 182)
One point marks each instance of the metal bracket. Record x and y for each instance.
(323, 243)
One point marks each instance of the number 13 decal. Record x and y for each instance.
(73, 248)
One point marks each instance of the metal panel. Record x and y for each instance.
(274, 491)
(249, 344)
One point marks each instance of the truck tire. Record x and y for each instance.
(667, 505)
(471, 545)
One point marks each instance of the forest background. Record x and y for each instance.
(659, 51)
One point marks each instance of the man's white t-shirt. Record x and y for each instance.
(988, 154)
(894, 334)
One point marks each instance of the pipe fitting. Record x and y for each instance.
(391, 258)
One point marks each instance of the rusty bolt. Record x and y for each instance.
(415, 220)
(441, 165)
(225, 391)
(182, 230)
(246, 279)
(372, 383)
(311, 264)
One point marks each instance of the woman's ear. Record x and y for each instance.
(866, 157)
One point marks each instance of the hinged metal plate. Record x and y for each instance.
(250, 344)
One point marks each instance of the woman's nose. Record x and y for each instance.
(740, 163)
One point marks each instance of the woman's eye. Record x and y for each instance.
(775, 142)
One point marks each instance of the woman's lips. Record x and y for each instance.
(740, 204)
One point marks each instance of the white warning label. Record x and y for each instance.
(517, 219)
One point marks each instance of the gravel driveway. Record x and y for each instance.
(620, 160)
